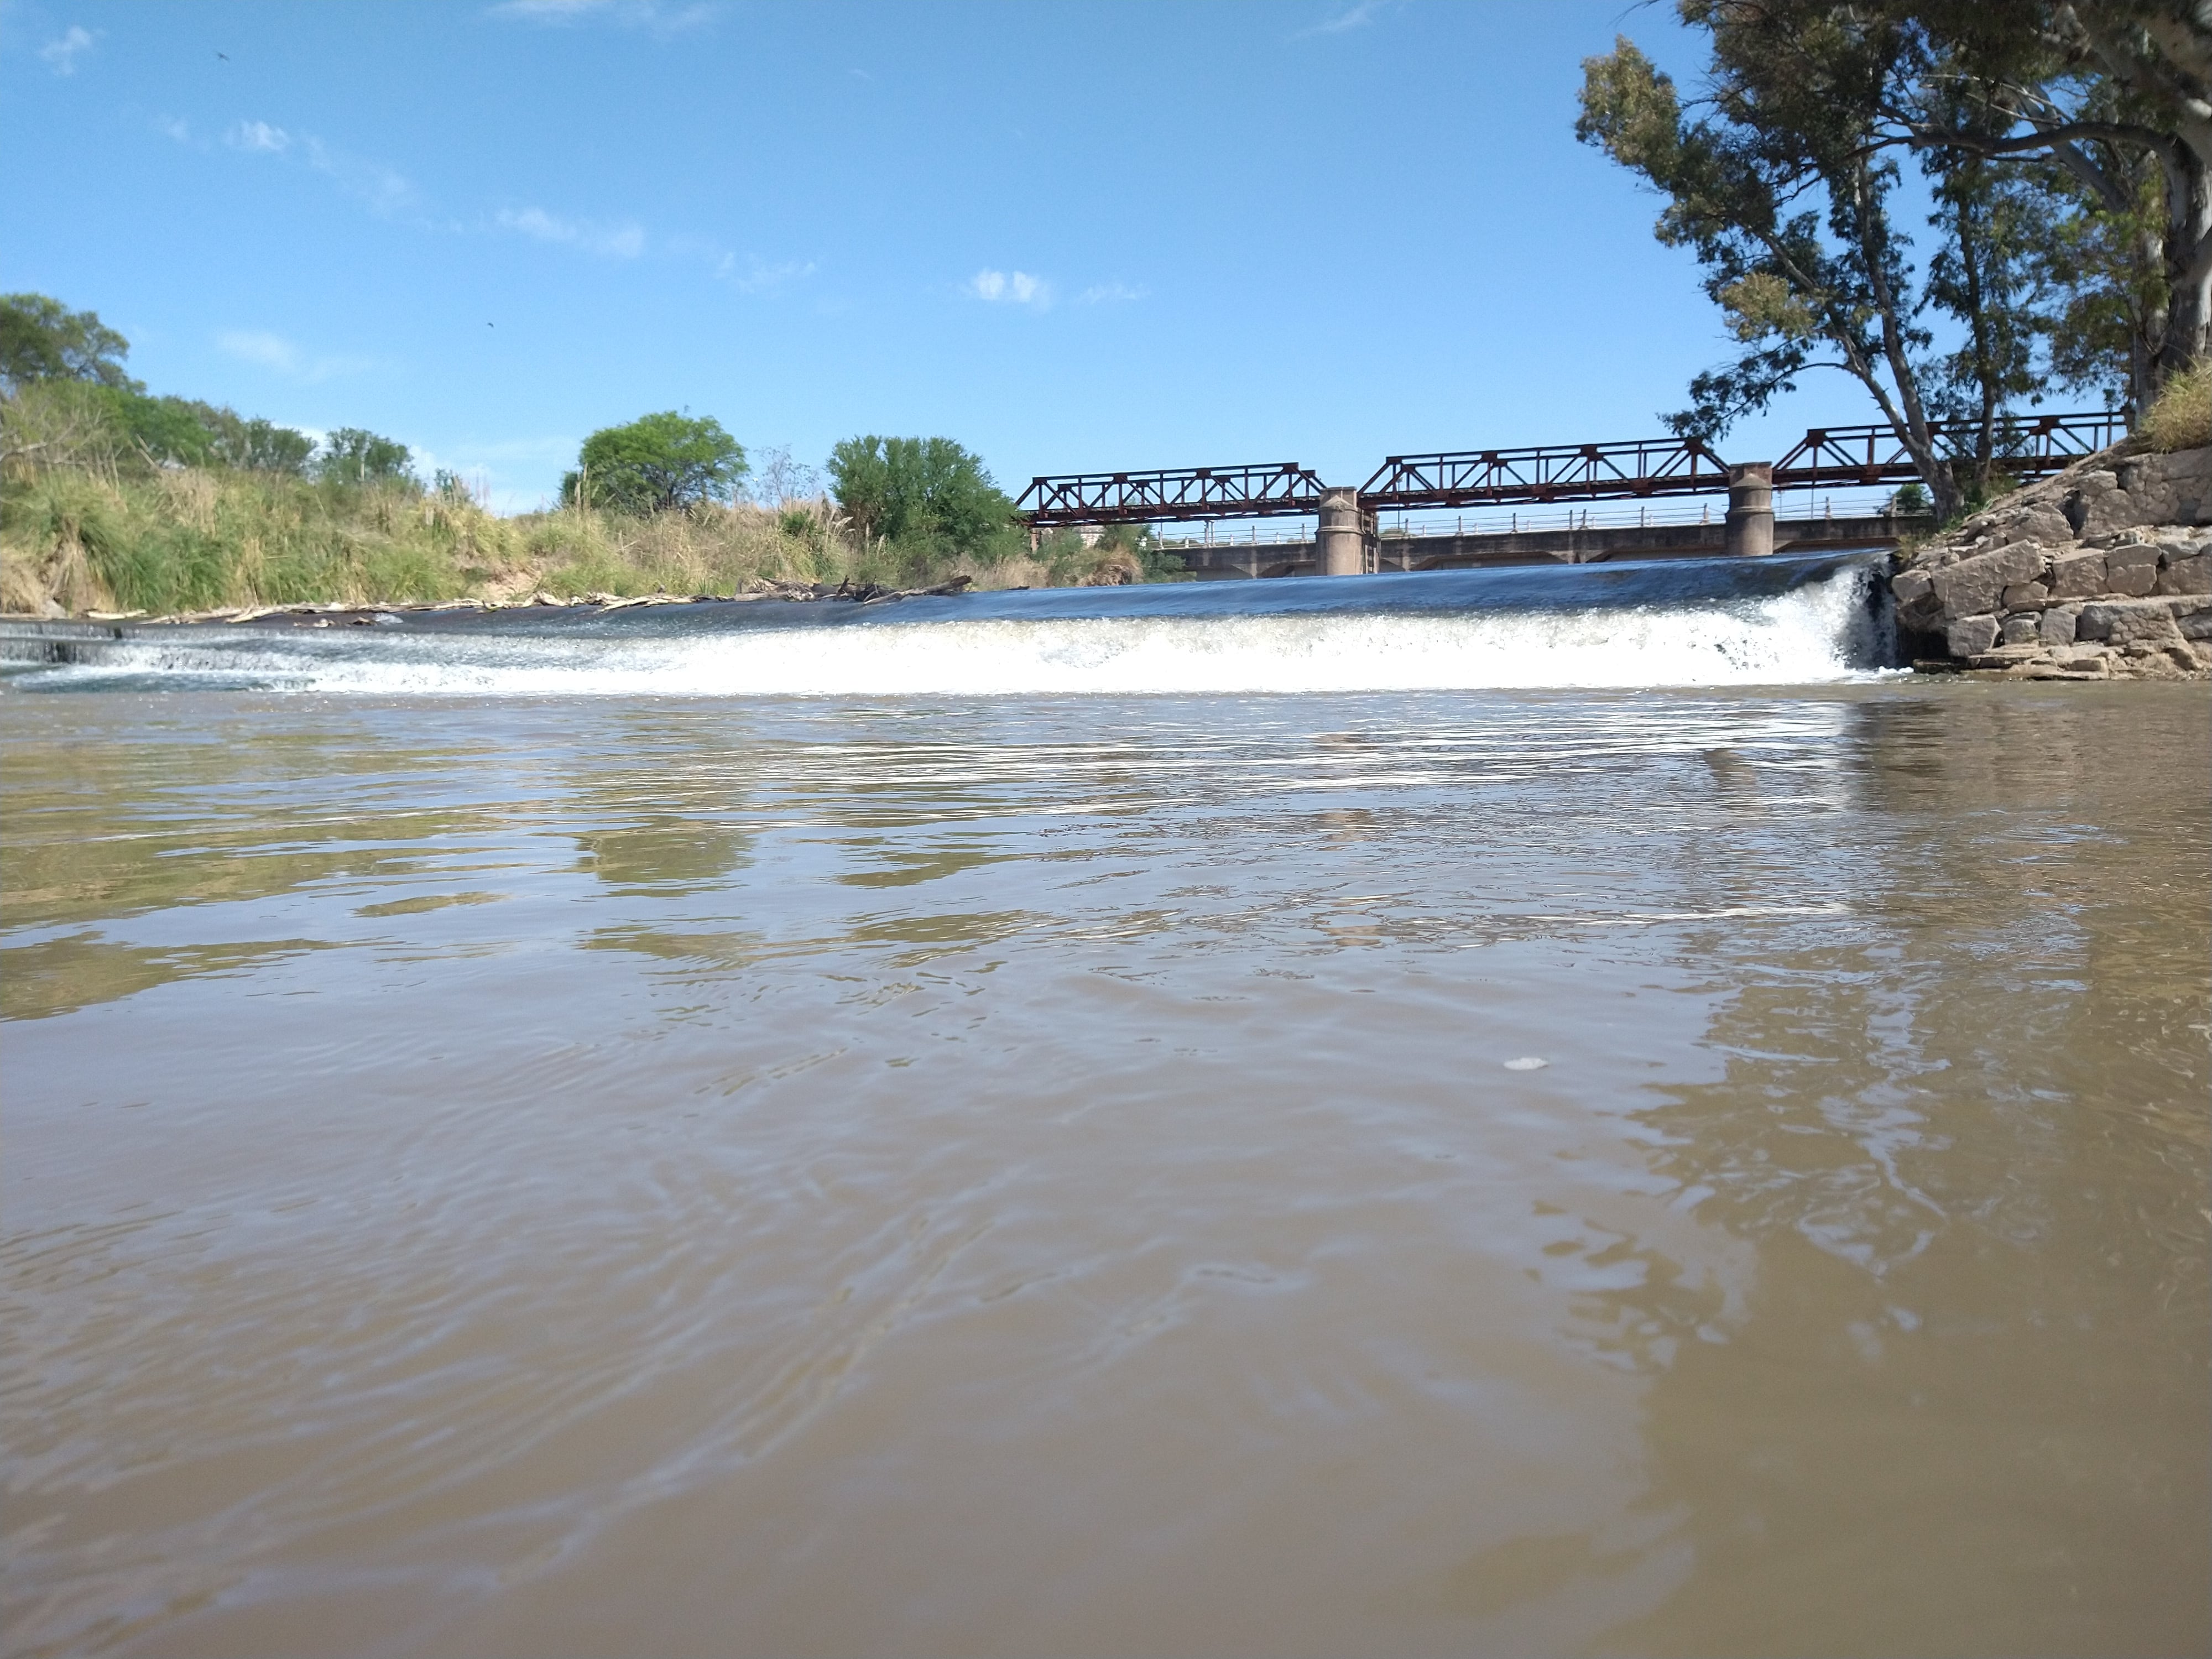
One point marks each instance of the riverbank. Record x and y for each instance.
(175, 541)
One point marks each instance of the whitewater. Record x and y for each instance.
(1689, 623)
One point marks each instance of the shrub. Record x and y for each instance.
(2182, 416)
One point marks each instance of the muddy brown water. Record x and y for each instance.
(1036, 1177)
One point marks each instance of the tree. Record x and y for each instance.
(1784, 191)
(2115, 96)
(42, 339)
(919, 491)
(256, 445)
(351, 455)
(663, 462)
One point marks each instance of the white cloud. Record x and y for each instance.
(254, 346)
(648, 15)
(174, 126)
(385, 190)
(62, 51)
(1015, 288)
(1354, 17)
(759, 279)
(274, 352)
(259, 135)
(1111, 294)
(614, 242)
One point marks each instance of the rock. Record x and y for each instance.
(2097, 505)
(2021, 630)
(2129, 622)
(50, 608)
(2041, 521)
(2055, 625)
(1975, 585)
(2026, 596)
(2077, 575)
(1917, 608)
(2186, 576)
(1970, 636)
(2131, 581)
(2152, 662)
(2091, 661)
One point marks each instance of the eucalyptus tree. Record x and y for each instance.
(1780, 183)
(2106, 107)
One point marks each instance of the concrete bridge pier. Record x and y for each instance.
(1343, 536)
(1749, 529)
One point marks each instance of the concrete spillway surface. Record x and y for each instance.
(1777, 620)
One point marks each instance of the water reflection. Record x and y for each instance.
(1072, 1184)
(1967, 1137)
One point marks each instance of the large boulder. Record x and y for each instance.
(1979, 583)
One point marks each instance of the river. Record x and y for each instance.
(540, 1168)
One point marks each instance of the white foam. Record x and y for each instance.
(1820, 631)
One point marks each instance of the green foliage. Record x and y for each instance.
(111, 497)
(42, 339)
(161, 428)
(351, 455)
(255, 445)
(662, 463)
(1802, 283)
(927, 496)
(1784, 185)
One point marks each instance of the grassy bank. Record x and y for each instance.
(74, 539)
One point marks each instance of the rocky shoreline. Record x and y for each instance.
(2103, 571)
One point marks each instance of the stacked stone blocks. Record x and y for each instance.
(2104, 572)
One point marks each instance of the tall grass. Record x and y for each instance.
(94, 533)
(2181, 418)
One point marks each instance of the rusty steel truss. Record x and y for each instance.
(2028, 447)
(1179, 494)
(1567, 473)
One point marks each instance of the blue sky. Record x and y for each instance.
(1074, 238)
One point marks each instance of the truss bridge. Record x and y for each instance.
(1550, 475)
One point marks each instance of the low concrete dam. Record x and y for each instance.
(1784, 620)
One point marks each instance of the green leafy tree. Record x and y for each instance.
(42, 339)
(1783, 180)
(922, 493)
(351, 455)
(255, 445)
(668, 462)
(2109, 103)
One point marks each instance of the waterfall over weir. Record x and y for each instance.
(1712, 622)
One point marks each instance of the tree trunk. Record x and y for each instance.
(2188, 251)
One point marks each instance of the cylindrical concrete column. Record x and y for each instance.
(1343, 549)
(1750, 528)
